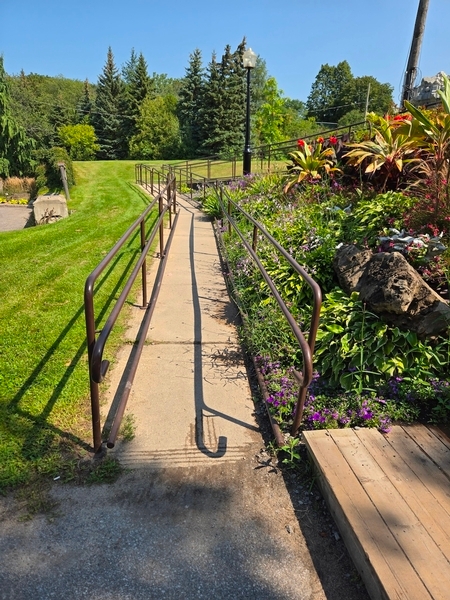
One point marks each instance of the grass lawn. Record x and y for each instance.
(44, 393)
(222, 168)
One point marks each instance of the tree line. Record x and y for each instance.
(129, 113)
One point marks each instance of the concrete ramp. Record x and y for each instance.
(191, 400)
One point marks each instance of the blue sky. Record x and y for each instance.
(295, 38)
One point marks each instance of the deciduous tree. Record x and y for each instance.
(158, 130)
(328, 99)
(80, 141)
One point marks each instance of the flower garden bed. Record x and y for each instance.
(371, 373)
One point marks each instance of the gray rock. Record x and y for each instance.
(392, 289)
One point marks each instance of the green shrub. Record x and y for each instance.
(48, 173)
(359, 352)
(370, 216)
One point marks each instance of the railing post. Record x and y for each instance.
(229, 212)
(255, 238)
(169, 197)
(174, 198)
(192, 194)
(208, 169)
(161, 228)
(144, 267)
(93, 386)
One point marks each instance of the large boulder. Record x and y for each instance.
(392, 289)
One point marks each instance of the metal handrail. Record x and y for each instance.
(267, 152)
(306, 346)
(165, 200)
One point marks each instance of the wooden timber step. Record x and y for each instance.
(390, 497)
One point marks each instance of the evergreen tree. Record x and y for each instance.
(190, 106)
(212, 109)
(258, 81)
(15, 147)
(107, 117)
(129, 67)
(61, 113)
(225, 104)
(85, 106)
(138, 85)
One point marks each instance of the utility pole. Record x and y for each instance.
(367, 103)
(413, 60)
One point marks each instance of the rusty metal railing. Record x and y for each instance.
(164, 202)
(306, 346)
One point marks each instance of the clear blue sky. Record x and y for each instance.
(295, 38)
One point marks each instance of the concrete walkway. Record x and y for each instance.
(191, 380)
(199, 514)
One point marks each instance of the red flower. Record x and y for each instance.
(320, 140)
(333, 139)
(301, 143)
(404, 117)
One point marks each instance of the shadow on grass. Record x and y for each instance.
(42, 433)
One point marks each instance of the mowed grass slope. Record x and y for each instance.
(44, 392)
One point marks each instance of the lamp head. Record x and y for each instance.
(249, 59)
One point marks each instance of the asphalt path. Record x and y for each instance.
(14, 217)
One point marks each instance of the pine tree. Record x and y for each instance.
(85, 106)
(190, 105)
(107, 117)
(15, 147)
(225, 104)
(138, 86)
(212, 110)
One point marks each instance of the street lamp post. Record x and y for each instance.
(249, 62)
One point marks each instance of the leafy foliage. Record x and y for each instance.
(48, 171)
(310, 162)
(41, 104)
(388, 152)
(335, 92)
(158, 135)
(359, 352)
(79, 140)
(15, 147)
